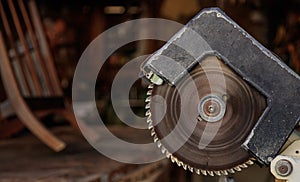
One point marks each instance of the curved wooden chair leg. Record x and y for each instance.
(33, 124)
(19, 105)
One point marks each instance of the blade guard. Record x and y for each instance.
(211, 32)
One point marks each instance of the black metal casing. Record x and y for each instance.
(211, 32)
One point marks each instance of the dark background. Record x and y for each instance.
(72, 25)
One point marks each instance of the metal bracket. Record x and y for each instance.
(212, 32)
(286, 166)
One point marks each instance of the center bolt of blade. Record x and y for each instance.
(211, 108)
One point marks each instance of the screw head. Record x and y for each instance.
(283, 167)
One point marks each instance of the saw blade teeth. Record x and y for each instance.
(176, 160)
(155, 138)
(173, 158)
(218, 173)
(147, 106)
(250, 162)
(149, 120)
(168, 154)
(184, 166)
(197, 171)
(231, 170)
(148, 113)
(152, 132)
(191, 168)
(237, 168)
(163, 149)
(204, 172)
(158, 143)
(224, 172)
(149, 92)
(150, 126)
(179, 163)
(211, 173)
(243, 165)
(148, 99)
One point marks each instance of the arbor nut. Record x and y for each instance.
(283, 167)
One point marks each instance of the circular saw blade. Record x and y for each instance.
(219, 114)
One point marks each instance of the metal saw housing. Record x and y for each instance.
(211, 32)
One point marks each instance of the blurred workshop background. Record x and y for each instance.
(70, 26)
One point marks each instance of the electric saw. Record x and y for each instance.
(218, 100)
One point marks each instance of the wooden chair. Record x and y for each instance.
(28, 72)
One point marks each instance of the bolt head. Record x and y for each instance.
(283, 167)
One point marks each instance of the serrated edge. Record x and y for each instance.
(174, 159)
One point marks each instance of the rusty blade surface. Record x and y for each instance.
(220, 152)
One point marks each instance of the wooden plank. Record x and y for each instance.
(78, 162)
